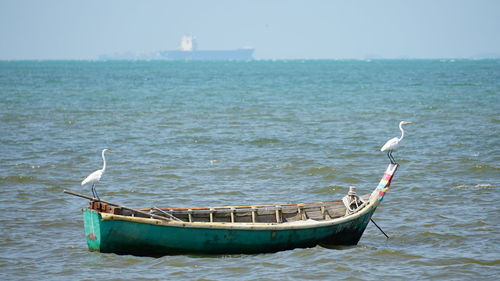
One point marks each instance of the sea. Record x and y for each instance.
(209, 133)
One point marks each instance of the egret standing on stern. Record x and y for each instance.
(393, 143)
(96, 176)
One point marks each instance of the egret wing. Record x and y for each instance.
(390, 144)
(92, 178)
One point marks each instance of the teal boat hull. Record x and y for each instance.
(126, 237)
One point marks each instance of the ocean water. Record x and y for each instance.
(220, 133)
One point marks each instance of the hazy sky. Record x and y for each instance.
(68, 29)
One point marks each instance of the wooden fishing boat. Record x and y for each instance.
(111, 228)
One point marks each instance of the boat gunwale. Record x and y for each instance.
(301, 224)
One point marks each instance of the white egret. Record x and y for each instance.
(393, 143)
(96, 176)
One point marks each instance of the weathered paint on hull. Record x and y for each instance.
(125, 237)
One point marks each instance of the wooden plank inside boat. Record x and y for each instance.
(239, 214)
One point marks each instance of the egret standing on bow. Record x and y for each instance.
(96, 176)
(393, 143)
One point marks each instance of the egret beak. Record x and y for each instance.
(110, 151)
(407, 122)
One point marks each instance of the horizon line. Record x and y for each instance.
(260, 59)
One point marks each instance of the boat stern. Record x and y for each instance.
(92, 223)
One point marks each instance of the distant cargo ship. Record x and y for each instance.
(188, 51)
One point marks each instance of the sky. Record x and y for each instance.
(277, 29)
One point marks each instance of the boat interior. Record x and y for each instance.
(282, 213)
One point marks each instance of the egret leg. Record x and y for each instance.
(389, 156)
(393, 161)
(94, 192)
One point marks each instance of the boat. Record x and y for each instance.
(113, 228)
(188, 51)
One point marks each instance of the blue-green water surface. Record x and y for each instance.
(221, 133)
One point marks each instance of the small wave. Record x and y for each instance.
(329, 190)
(341, 247)
(54, 224)
(161, 167)
(458, 261)
(294, 165)
(54, 188)
(263, 141)
(22, 195)
(397, 253)
(475, 227)
(237, 269)
(424, 239)
(326, 170)
(463, 84)
(350, 180)
(168, 176)
(485, 167)
(303, 253)
(477, 186)
(447, 236)
(131, 191)
(239, 193)
(31, 166)
(268, 264)
(17, 179)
